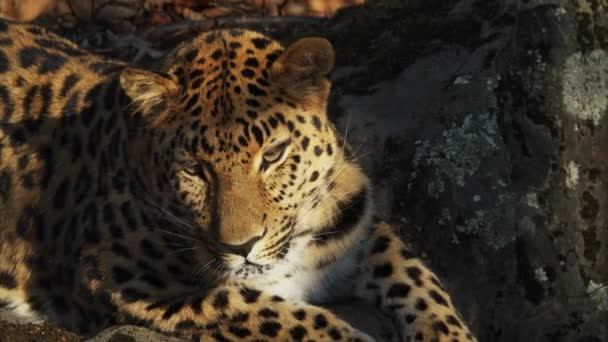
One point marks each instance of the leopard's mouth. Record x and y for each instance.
(249, 270)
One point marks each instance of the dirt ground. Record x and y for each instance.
(35, 333)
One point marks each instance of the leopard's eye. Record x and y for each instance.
(191, 170)
(273, 155)
(195, 170)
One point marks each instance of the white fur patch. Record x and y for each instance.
(307, 283)
(328, 284)
(20, 312)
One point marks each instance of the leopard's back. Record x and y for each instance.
(51, 115)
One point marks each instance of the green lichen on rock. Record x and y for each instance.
(459, 153)
(598, 294)
(488, 223)
(584, 85)
(455, 158)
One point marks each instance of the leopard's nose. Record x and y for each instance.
(243, 249)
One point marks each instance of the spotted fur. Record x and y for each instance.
(212, 199)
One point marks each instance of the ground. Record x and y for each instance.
(34, 332)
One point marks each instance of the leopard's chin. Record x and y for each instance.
(249, 271)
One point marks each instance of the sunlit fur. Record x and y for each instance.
(211, 199)
(289, 203)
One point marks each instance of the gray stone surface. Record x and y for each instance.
(493, 156)
(131, 333)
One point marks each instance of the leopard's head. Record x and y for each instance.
(249, 152)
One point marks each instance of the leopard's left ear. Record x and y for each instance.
(151, 94)
(302, 68)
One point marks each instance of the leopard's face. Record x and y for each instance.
(253, 157)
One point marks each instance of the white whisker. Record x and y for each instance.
(183, 249)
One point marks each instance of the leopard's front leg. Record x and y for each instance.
(403, 286)
(242, 314)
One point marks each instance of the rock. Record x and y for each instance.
(491, 155)
(130, 333)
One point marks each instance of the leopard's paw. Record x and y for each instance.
(317, 324)
(432, 328)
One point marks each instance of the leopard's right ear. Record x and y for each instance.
(151, 94)
(302, 68)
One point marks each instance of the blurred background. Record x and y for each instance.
(148, 26)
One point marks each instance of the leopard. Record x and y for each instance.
(211, 198)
